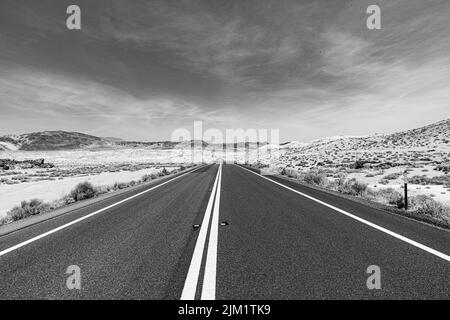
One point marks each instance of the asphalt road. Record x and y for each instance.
(253, 239)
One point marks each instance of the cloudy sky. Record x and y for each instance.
(140, 69)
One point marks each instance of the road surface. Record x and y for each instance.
(224, 232)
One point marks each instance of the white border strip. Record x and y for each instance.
(391, 233)
(209, 280)
(190, 285)
(22, 244)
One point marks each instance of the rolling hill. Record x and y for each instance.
(430, 143)
(431, 138)
(51, 140)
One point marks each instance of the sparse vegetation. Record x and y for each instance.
(426, 205)
(316, 178)
(387, 196)
(424, 180)
(82, 191)
(164, 172)
(148, 177)
(420, 205)
(392, 176)
(26, 209)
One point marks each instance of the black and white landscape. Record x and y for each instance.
(224, 149)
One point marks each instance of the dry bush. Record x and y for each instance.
(148, 177)
(426, 205)
(351, 187)
(392, 176)
(84, 190)
(387, 196)
(316, 178)
(28, 208)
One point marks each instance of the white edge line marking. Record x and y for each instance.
(209, 280)
(190, 285)
(17, 246)
(389, 232)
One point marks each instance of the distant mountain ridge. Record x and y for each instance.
(64, 140)
(433, 136)
(426, 144)
(50, 140)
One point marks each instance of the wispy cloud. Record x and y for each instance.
(309, 68)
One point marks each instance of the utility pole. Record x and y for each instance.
(405, 177)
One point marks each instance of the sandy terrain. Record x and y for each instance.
(50, 190)
(378, 160)
(103, 167)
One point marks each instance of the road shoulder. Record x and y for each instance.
(33, 220)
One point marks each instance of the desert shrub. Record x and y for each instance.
(28, 208)
(84, 190)
(316, 178)
(335, 184)
(392, 176)
(351, 187)
(426, 205)
(386, 196)
(359, 164)
(419, 180)
(340, 175)
(440, 180)
(148, 177)
(67, 200)
(292, 173)
(5, 220)
(102, 189)
(423, 180)
(120, 185)
(358, 187)
(344, 187)
(163, 172)
(443, 167)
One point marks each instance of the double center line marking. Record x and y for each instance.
(209, 279)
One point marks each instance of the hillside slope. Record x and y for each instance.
(63, 140)
(430, 143)
(51, 140)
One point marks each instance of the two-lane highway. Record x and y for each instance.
(138, 249)
(257, 238)
(282, 245)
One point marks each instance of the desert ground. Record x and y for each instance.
(374, 163)
(69, 168)
(101, 167)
